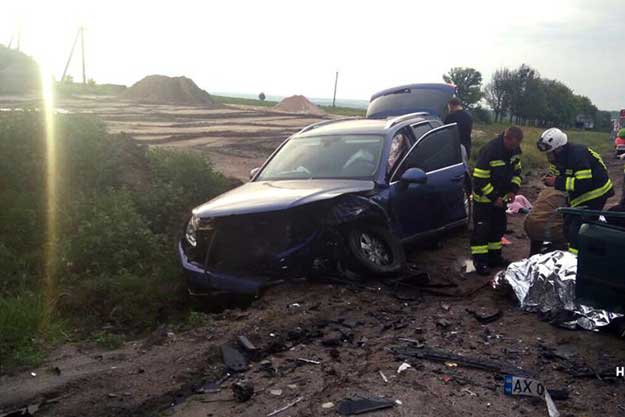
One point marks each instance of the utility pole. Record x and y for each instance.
(336, 80)
(71, 53)
(82, 47)
(10, 42)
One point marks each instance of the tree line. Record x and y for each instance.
(523, 97)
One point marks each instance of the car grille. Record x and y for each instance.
(250, 243)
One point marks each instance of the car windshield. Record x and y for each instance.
(333, 156)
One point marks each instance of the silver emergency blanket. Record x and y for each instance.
(546, 284)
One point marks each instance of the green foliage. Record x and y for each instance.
(20, 337)
(262, 96)
(529, 99)
(119, 211)
(108, 340)
(19, 73)
(468, 82)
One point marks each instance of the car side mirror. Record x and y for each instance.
(253, 172)
(414, 176)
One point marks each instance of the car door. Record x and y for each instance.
(419, 208)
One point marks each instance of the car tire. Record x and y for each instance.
(374, 250)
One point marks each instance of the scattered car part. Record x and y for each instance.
(247, 344)
(215, 386)
(234, 360)
(242, 390)
(486, 316)
(286, 407)
(361, 406)
(441, 356)
(514, 385)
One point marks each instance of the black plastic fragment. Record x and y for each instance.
(354, 407)
(234, 360)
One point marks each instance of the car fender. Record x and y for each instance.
(351, 208)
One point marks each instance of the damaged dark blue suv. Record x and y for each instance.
(337, 195)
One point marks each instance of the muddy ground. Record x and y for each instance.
(236, 138)
(347, 329)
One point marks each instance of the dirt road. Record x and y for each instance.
(344, 334)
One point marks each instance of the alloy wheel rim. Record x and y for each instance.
(374, 249)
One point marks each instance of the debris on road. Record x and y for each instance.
(247, 344)
(213, 387)
(243, 390)
(233, 359)
(546, 284)
(309, 361)
(327, 405)
(514, 385)
(384, 378)
(403, 367)
(276, 392)
(361, 406)
(485, 316)
(286, 407)
(441, 356)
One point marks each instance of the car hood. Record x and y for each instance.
(264, 196)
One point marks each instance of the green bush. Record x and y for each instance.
(120, 209)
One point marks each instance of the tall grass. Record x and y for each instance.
(533, 160)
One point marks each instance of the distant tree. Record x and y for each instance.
(469, 84)
(91, 82)
(603, 121)
(262, 96)
(497, 93)
(68, 79)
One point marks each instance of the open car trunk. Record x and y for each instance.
(413, 98)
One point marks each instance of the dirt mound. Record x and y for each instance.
(160, 89)
(298, 104)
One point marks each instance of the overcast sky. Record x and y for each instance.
(295, 47)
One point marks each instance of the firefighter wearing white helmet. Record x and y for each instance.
(580, 172)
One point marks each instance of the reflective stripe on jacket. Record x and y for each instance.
(581, 172)
(497, 172)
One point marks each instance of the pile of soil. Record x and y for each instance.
(298, 104)
(160, 89)
(19, 73)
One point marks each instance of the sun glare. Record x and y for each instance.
(51, 255)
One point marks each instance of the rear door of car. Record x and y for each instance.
(420, 208)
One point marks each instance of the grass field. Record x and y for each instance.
(533, 160)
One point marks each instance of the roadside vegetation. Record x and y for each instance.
(110, 268)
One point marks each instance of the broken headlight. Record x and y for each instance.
(191, 230)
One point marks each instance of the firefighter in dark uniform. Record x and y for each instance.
(496, 180)
(579, 171)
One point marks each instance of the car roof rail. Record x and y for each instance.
(395, 120)
(326, 122)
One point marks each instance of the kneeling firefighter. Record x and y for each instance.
(579, 171)
(496, 178)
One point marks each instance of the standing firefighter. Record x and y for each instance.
(496, 177)
(579, 171)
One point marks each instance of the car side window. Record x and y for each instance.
(420, 129)
(436, 150)
(399, 148)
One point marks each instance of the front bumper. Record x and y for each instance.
(201, 281)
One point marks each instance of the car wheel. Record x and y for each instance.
(374, 250)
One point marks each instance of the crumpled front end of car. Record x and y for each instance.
(243, 253)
